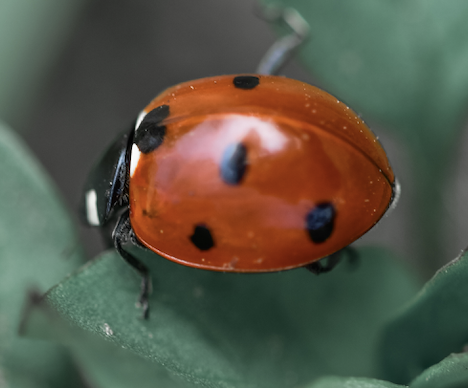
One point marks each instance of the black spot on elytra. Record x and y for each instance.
(150, 134)
(233, 163)
(202, 237)
(246, 81)
(320, 222)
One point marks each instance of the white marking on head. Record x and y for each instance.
(140, 118)
(91, 208)
(134, 159)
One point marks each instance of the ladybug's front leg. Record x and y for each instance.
(122, 233)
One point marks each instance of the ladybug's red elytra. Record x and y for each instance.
(242, 173)
(243, 170)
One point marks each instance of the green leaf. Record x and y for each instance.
(351, 382)
(219, 329)
(38, 247)
(101, 362)
(431, 327)
(452, 372)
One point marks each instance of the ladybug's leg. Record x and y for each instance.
(324, 265)
(353, 256)
(282, 50)
(123, 232)
(328, 263)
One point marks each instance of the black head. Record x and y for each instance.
(106, 185)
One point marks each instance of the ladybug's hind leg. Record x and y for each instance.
(328, 263)
(123, 232)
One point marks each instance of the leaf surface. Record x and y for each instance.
(235, 330)
(431, 327)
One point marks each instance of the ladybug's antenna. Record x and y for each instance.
(282, 50)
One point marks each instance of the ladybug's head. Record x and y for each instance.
(106, 184)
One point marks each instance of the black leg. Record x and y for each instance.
(328, 263)
(324, 265)
(353, 257)
(123, 232)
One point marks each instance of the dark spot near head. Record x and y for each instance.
(202, 238)
(150, 134)
(233, 163)
(246, 81)
(320, 222)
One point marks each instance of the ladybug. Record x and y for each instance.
(241, 173)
